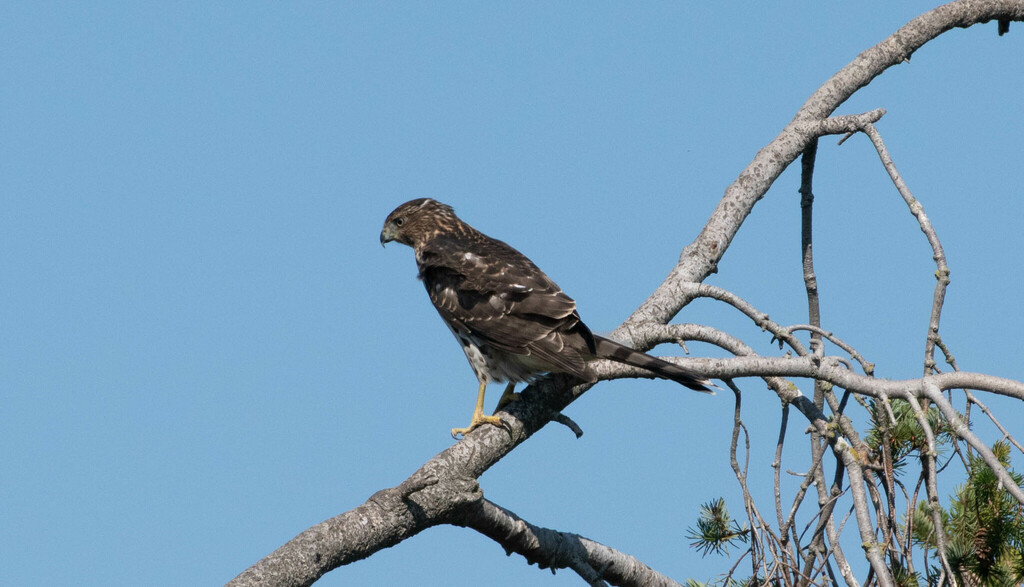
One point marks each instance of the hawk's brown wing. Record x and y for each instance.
(492, 291)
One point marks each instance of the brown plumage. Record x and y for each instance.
(512, 321)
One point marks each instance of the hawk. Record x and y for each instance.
(511, 320)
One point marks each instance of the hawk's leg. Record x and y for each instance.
(508, 397)
(478, 415)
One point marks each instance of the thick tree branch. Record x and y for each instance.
(385, 519)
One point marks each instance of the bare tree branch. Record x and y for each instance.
(593, 562)
(942, 270)
(932, 392)
(931, 487)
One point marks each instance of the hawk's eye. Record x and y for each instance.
(399, 222)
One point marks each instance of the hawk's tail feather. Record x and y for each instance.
(609, 349)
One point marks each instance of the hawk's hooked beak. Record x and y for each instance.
(387, 234)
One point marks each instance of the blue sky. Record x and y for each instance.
(205, 350)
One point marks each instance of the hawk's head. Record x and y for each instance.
(417, 221)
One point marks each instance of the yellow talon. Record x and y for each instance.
(478, 414)
(478, 420)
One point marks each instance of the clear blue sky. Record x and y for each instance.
(204, 349)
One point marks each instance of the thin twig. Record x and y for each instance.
(931, 486)
(942, 270)
(984, 409)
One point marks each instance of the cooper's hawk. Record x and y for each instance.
(512, 321)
